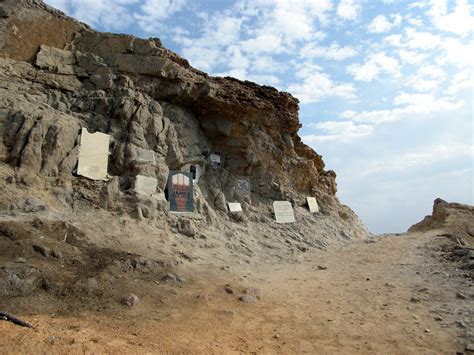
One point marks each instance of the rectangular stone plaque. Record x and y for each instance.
(145, 185)
(93, 155)
(283, 212)
(242, 187)
(214, 158)
(180, 191)
(145, 156)
(312, 204)
(234, 207)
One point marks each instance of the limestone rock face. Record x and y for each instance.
(451, 217)
(58, 76)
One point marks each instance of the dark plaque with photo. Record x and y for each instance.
(180, 191)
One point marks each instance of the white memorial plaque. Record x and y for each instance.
(145, 185)
(283, 212)
(214, 158)
(312, 204)
(234, 207)
(145, 156)
(93, 155)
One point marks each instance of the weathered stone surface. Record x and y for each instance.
(130, 300)
(57, 60)
(145, 185)
(248, 299)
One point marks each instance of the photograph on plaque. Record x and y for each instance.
(180, 191)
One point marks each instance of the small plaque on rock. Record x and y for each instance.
(283, 212)
(242, 188)
(180, 191)
(312, 204)
(145, 156)
(214, 158)
(234, 207)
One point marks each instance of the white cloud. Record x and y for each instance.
(231, 42)
(118, 14)
(421, 40)
(375, 65)
(417, 22)
(266, 64)
(62, 5)
(414, 105)
(426, 156)
(380, 24)
(411, 57)
(462, 80)
(393, 40)
(332, 52)
(349, 9)
(97, 12)
(338, 131)
(428, 78)
(317, 85)
(458, 21)
(263, 43)
(217, 44)
(152, 12)
(296, 22)
(457, 53)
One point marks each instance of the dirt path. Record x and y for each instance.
(390, 297)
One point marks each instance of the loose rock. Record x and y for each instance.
(131, 300)
(44, 251)
(248, 299)
(252, 291)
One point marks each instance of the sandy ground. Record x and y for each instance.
(393, 296)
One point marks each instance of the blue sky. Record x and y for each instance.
(386, 87)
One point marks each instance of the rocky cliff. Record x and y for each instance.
(57, 76)
(451, 218)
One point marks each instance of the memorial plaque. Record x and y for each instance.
(234, 207)
(283, 212)
(312, 204)
(93, 155)
(145, 185)
(180, 191)
(214, 158)
(145, 156)
(242, 187)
